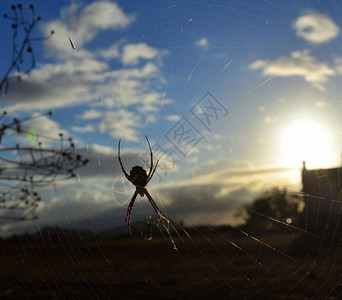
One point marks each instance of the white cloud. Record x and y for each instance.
(55, 85)
(81, 25)
(38, 129)
(230, 184)
(87, 128)
(111, 52)
(133, 87)
(67, 81)
(210, 193)
(131, 53)
(79, 204)
(316, 28)
(91, 114)
(102, 149)
(300, 63)
(45, 127)
(146, 71)
(120, 99)
(121, 124)
(258, 64)
(65, 84)
(203, 42)
(173, 118)
(102, 15)
(211, 147)
(103, 162)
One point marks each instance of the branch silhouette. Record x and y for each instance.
(22, 29)
(23, 169)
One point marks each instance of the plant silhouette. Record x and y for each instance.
(24, 169)
(21, 43)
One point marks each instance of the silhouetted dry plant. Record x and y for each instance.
(23, 169)
(21, 43)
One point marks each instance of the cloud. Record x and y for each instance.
(131, 53)
(111, 52)
(121, 124)
(300, 63)
(103, 167)
(83, 76)
(133, 87)
(225, 176)
(316, 28)
(87, 128)
(79, 204)
(55, 85)
(103, 161)
(66, 83)
(173, 118)
(203, 42)
(197, 205)
(231, 174)
(44, 128)
(215, 191)
(82, 25)
(209, 194)
(91, 114)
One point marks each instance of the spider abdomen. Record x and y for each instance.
(138, 176)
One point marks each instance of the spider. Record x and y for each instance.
(138, 177)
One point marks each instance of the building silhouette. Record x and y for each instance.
(322, 194)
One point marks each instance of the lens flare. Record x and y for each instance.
(32, 135)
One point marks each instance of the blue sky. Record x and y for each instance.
(273, 71)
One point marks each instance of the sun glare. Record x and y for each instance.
(308, 140)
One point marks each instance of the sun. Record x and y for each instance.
(310, 141)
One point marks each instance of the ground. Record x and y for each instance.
(216, 264)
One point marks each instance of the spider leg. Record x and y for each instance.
(151, 154)
(150, 176)
(156, 208)
(129, 211)
(122, 167)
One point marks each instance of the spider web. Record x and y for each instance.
(298, 257)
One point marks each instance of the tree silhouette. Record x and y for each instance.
(23, 169)
(22, 30)
(272, 210)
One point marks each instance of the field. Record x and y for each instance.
(214, 264)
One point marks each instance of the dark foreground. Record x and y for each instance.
(213, 265)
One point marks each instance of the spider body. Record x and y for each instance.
(140, 178)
